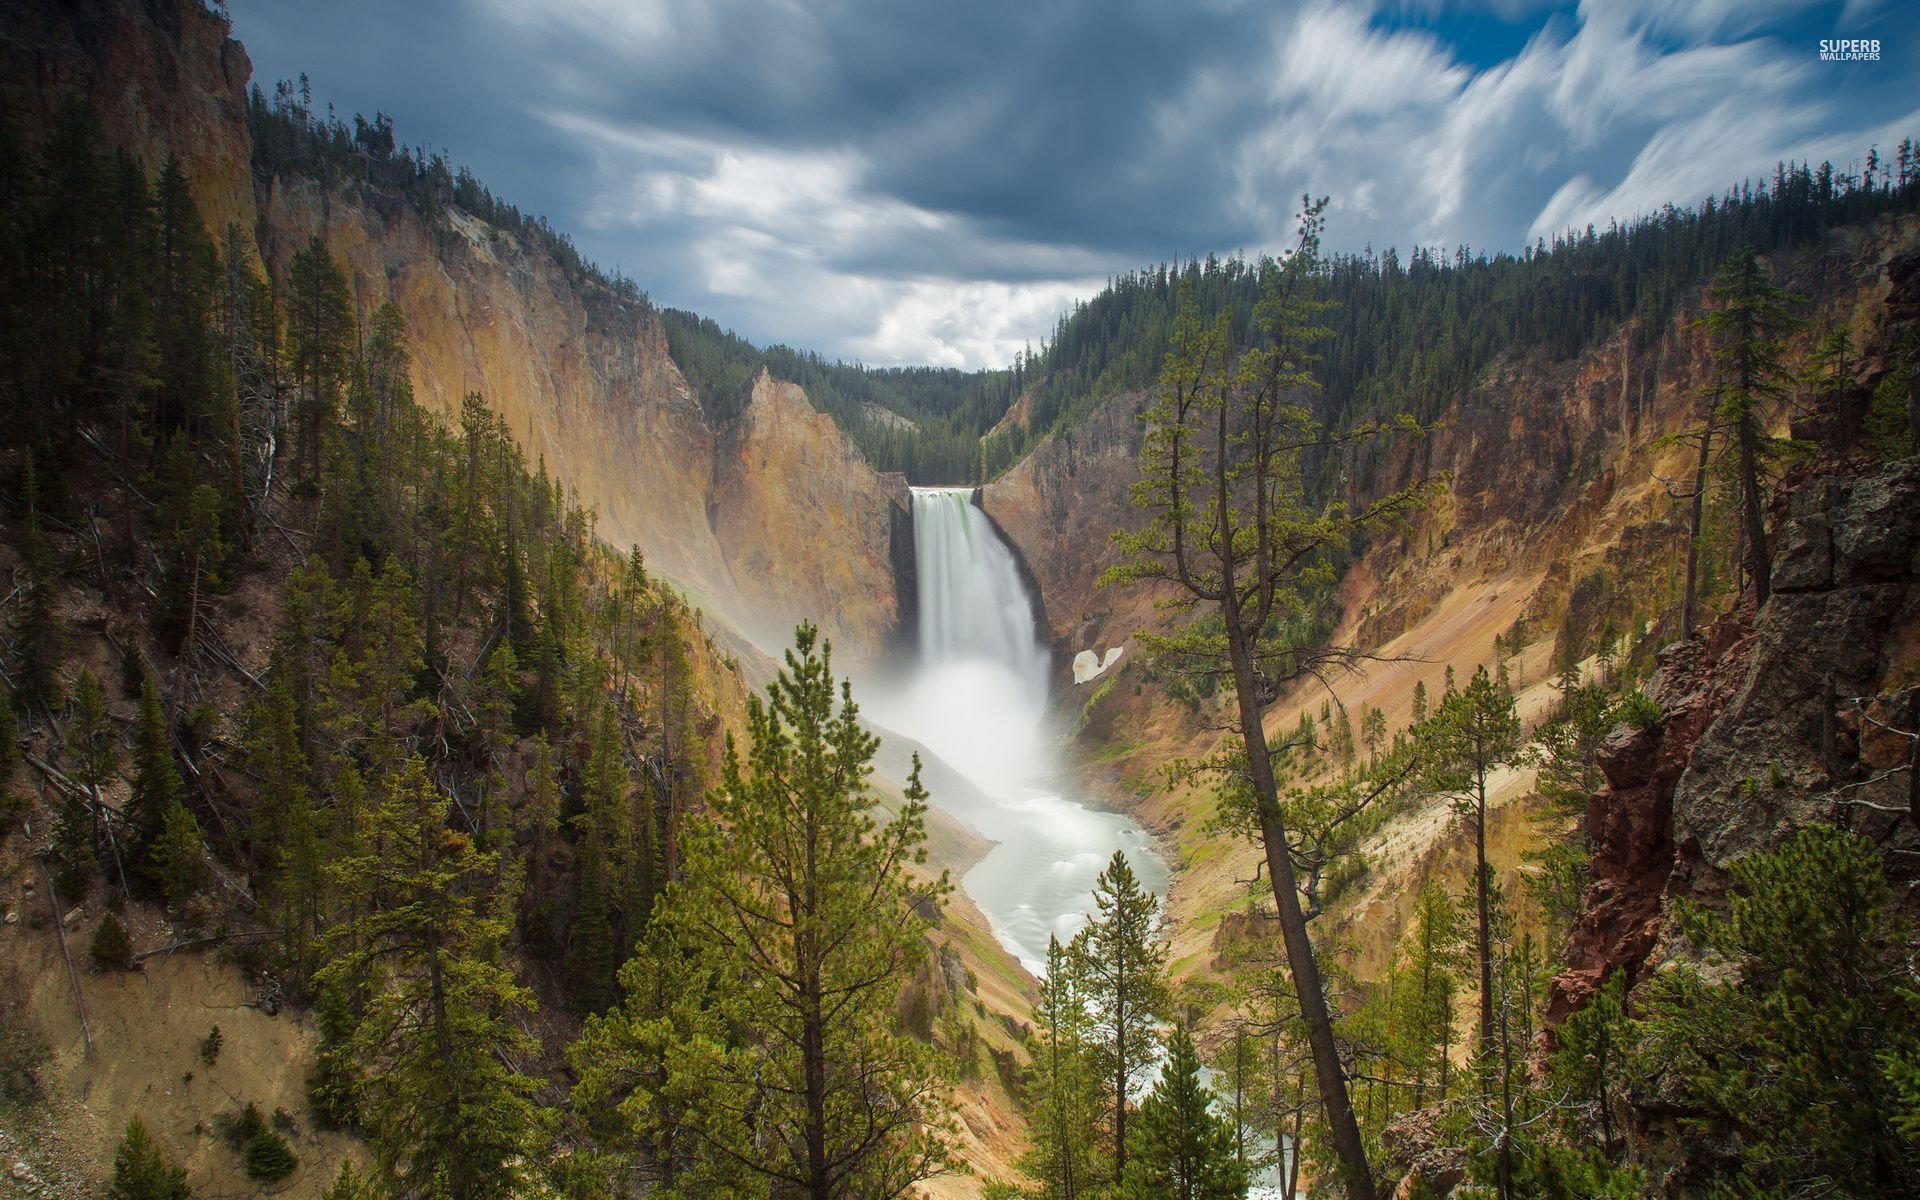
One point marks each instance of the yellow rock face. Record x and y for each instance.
(768, 519)
(765, 521)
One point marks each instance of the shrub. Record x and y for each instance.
(268, 1157)
(111, 947)
(1639, 709)
(142, 1171)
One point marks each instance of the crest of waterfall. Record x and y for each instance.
(974, 606)
(976, 698)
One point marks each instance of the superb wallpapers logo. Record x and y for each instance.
(1850, 50)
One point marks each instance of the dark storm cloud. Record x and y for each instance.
(905, 181)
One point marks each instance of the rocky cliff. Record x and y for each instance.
(1060, 504)
(1771, 721)
(766, 519)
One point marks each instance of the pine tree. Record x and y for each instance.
(156, 782)
(196, 548)
(1802, 1060)
(807, 918)
(1589, 1053)
(1223, 472)
(630, 1093)
(143, 1171)
(1065, 1099)
(178, 863)
(286, 829)
(540, 826)
(1182, 1150)
(111, 947)
(320, 337)
(444, 1111)
(1751, 381)
(92, 758)
(1569, 757)
(1476, 732)
(1433, 953)
(349, 1186)
(1120, 960)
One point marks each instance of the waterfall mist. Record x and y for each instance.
(977, 698)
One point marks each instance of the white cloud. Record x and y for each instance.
(822, 239)
(786, 234)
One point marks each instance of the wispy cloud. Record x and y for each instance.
(908, 183)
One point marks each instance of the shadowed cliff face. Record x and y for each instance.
(161, 77)
(1059, 507)
(768, 520)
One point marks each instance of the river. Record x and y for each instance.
(977, 697)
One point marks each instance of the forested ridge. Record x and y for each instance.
(456, 771)
(350, 694)
(1411, 334)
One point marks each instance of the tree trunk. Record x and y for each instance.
(1342, 1129)
(1753, 518)
(1484, 915)
(1693, 532)
(1120, 1066)
(1503, 1167)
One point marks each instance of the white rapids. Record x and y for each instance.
(977, 698)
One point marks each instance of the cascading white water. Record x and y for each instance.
(973, 604)
(977, 698)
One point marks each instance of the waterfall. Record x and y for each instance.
(973, 604)
(976, 698)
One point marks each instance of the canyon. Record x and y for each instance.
(1557, 520)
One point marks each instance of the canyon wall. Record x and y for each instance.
(1556, 475)
(1059, 505)
(766, 519)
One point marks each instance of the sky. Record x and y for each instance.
(911, 182)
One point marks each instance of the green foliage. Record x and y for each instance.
(320, 329)
(1589, 1055)
(211, 1044)
(111, 947)
(1182, 1151)
(1475, 732)
(1800, 1061)
(1063, 1095)
(91, 756)
(1433, 958)
(1888, 432)
(433, 1039)
(1748, 325)
(92, 751)
(156, 782)
(1411, 335)
(926, 422)
(143, 1171)
(1569, 746)
(263, 1150)
(806, 919)
(1119, 964)
(268, 1157)
(180, 857)
(349, 1186)
(632, 1094)
(1639, 709)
